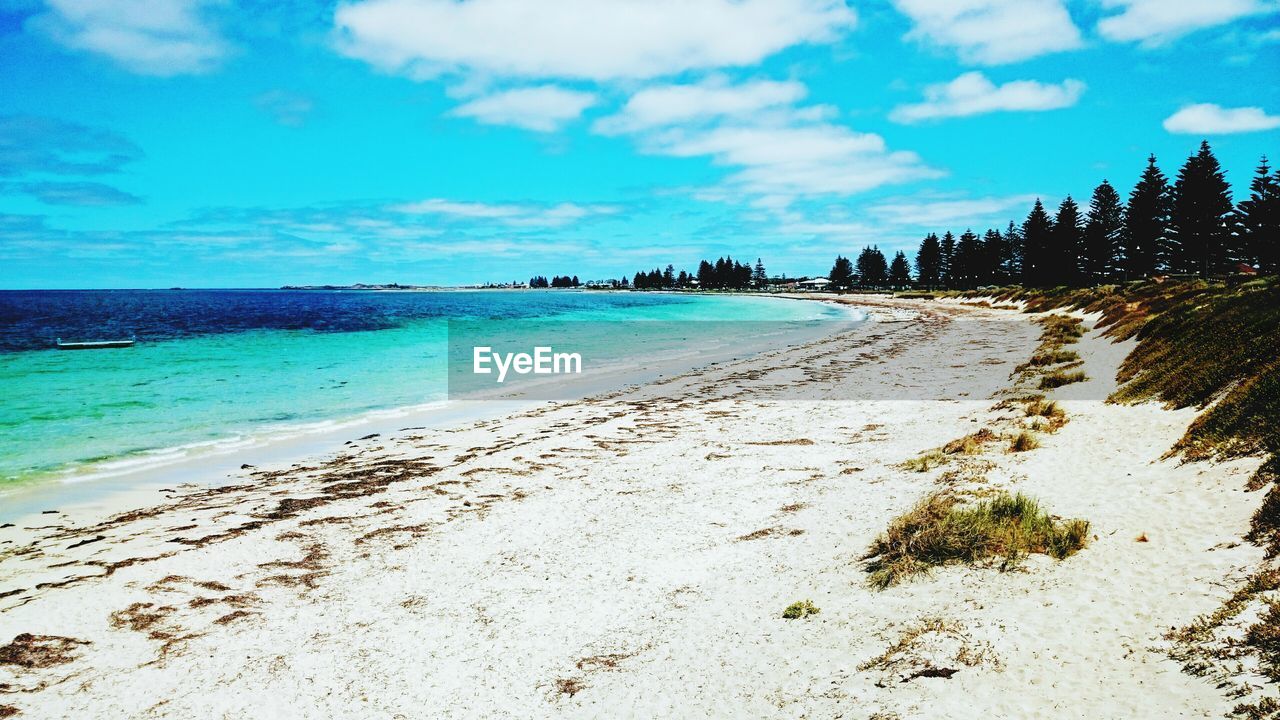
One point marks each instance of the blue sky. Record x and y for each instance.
(221, 143)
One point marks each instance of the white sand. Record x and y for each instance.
(604, 559)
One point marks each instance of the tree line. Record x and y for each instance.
(723, 274)
(539, 281)
(871, 271)
(1189, 227)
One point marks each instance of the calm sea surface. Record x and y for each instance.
(218, 367)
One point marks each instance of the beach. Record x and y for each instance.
(631, 554)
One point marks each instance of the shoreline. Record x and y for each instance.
(113, 484)
(593, 557)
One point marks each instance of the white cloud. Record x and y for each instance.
(796, 160)
(993, 32)
(585, 39)
(973, 94)
(152, 37)
(777, 151)
(665, 105)
(1158, 21)
(952, 213)
(1211, 119)
(796, 224)
(543, 108)
(510, 214)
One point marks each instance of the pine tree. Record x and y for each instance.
(1011, 259)
(899, 271)
(759, 278)
(841, 275)
(966, 261)
(873, 270)
(1066, 239)
(993, 250)
(1036, 238)
(1200, 223)
(929, 261)
(948, 252)
(1102, 232)
(706, 275)
(1145, 237)
(1259, 220)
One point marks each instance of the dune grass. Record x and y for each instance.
(1058, 378)
(926, 461)
(1203, 344)
(1044, 408)
(1056, 356)
(1059, 330)
(939, 530)
(1024, 441)
(800, 609)
(970, 444)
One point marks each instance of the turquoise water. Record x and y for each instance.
(70, 414)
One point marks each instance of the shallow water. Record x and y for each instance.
(220, 367)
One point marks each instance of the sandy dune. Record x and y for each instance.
(631, 555)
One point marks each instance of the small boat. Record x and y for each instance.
(97, 345)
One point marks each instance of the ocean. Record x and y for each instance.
(215, 368)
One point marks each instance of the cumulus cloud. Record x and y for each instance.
(776, 150)
(152, 37)
(1211, 119)
(1154, 22)
(664, 105)
(993, 32)
(973, 94)
(582, 39)
(542, 109)
(796, 160)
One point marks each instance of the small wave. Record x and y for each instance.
(261, 436)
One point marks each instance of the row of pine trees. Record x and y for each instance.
(871, 270)
(723, 274)
(540, 281)
(1191, 227)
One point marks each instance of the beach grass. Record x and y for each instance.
(1060, 330)
(1024, 441)
(926, 461)
(1058, 378)
(1200, 343)
(940, 530)
(1055, 356)
(1044, 408)
(970, 444)
(800, 609)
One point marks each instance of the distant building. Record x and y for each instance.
(819, 283)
